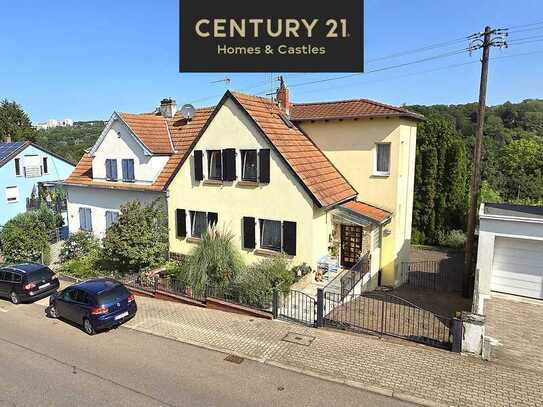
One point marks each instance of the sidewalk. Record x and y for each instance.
(402, 370)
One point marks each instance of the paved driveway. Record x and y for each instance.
(517, 326)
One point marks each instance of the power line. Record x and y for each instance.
(456, 52)
(446, 67)
(525, 25)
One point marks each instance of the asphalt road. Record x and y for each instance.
(45, 362)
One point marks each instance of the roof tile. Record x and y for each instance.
(348, 109)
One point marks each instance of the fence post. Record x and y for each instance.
(275, 303)
(320, 308)
(457, 333)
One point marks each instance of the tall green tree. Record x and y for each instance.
(15, 125)
(440, 180)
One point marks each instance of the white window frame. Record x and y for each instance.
(15, 161)
(376, 154)
(15, 195)
(258, 230)
(208, 164)
(190, 223)
(244, 150)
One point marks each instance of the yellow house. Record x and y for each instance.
(306, 180)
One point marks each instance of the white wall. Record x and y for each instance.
(100, 201)
(489, 228)
(118, 144)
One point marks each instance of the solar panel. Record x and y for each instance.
(6, 149)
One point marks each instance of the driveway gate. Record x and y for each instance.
(298, 307)
(382, 313)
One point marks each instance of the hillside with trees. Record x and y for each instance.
(512, 168)
(70, 142)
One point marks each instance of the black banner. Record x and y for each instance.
(271, 36)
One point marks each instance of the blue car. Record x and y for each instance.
(94, 304)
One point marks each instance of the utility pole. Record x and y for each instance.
(489, 38)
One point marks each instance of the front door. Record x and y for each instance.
(351, 245)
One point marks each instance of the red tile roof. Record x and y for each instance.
(348, 109)
(151, 129)
(369, 211)
(183, 134)
(324, 182)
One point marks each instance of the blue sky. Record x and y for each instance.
(84, 60)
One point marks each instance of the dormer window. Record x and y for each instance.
(214, 167)
(111, 170)
(249, 165)
(128, 170)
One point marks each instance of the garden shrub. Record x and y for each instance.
(79, 244)
(24, 238)
(454, 239)
(138, 240)
(214, 261)
(258, 280)
(82, 267)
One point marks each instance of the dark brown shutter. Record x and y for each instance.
(180, 220)
(248, 233)
(229, 164)
(212, 218)
(198, 167)
(264, 168)
(289, 238)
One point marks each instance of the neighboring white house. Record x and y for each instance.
(132, 160)
(52, 123)
(510, 251)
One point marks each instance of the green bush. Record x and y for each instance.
(81, 267)
(258, 280)
(214, 261)
(24, 238)
(79, 244)
(138, 240)
(50, 220)
(454, 239)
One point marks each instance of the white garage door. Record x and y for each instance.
(518, 267)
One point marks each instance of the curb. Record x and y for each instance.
(382, 391)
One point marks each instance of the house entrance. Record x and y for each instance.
(351, 245)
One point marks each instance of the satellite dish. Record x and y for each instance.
(188, 111)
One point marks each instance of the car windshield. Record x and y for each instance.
(114, 294)
(39, 275)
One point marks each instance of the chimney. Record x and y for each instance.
(168, 108)
(282, 97)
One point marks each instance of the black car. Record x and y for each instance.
(95, 304)
(27, 282)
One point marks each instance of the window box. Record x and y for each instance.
(213, 182)
(242, 183)
(266, 252)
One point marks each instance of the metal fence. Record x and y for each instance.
(352, 277)
(433, 275)
(382, 313)
(297, 306)
(58, 234)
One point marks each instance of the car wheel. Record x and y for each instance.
(14, 298)
(87, 326)
(53, 313)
